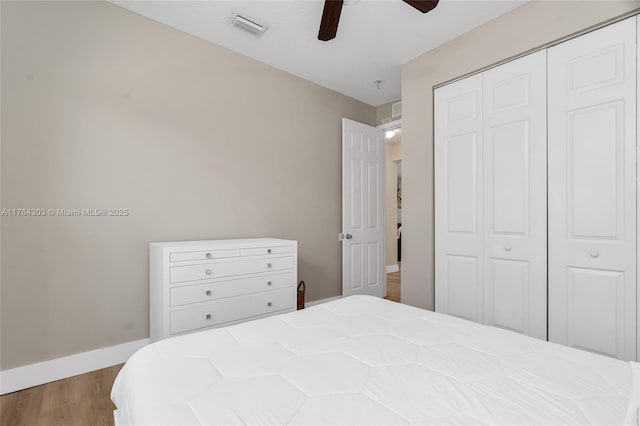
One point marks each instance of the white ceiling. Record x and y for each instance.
(375, 37)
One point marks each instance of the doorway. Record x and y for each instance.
(370, 200)
(393, 209)
(363, 234)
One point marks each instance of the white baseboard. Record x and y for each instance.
(392, 268)
(39, 373)
(321, 301)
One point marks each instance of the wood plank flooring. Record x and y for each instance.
(82, 400)
(393, 286)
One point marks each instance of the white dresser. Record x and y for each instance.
(196, 285)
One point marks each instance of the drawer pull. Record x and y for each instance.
(268, 282)
(208, 316)
(269, 251)
(594, 254)
(208, 271)
(208, 292)
(269, 304)
(208, 255)
(268, 265)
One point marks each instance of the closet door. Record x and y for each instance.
(458, 198)
(515, 195)
(592, 191)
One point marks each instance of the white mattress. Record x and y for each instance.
(363, 360)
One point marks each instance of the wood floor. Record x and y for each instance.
(82, 400)
(393, 286)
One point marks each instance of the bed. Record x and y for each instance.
(363, 360)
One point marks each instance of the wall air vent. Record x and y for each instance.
(247, 24)
(396, 110)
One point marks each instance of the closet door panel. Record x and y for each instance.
(507, 294)
(515, 204)
(592, 191)
(462, 284)
(458, 198)
(595, 330)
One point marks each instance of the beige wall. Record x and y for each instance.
(531, 25)
(104, 108)
(383, 113)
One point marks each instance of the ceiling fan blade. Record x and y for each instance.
(423, 5)
(330, 19)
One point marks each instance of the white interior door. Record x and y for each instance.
(363, 185)
(592, 191)
(458, 198)
(637, 189)
(515, 195)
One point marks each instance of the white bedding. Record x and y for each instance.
(363, 360)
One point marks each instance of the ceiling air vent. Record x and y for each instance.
(247, 24)
(396, 110)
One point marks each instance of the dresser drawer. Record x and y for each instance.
(226, 269)
(228, 280)
(203, 255)
(230, 310)
(260, 251)
(211, 291)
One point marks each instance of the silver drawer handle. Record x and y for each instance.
(208, 292)
(268, 282)
(208, 271)
(208, 316)
(594, 254)
(269, 251)
(208, 256)
(269, 304)
(507, 248)
(268, 265)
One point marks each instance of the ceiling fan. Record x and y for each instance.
(332, 9)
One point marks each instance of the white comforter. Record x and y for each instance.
(362, 360)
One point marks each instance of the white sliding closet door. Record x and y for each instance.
(458, 198)
(515, 195)
(592, 191)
